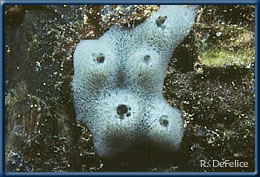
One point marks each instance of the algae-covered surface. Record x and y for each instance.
(211, 79)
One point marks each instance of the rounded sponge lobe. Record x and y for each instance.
(117, 113)
(95, 66)
(167, 28)
(165, 125)
(145, 70)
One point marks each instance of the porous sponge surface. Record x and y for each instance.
(118, 81)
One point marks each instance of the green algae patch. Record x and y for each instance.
(225, 36)
(214, 57)
(232, 45)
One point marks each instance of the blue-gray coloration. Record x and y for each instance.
(118, 81)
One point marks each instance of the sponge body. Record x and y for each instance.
(118, 81)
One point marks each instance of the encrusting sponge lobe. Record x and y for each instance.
(118, 81)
